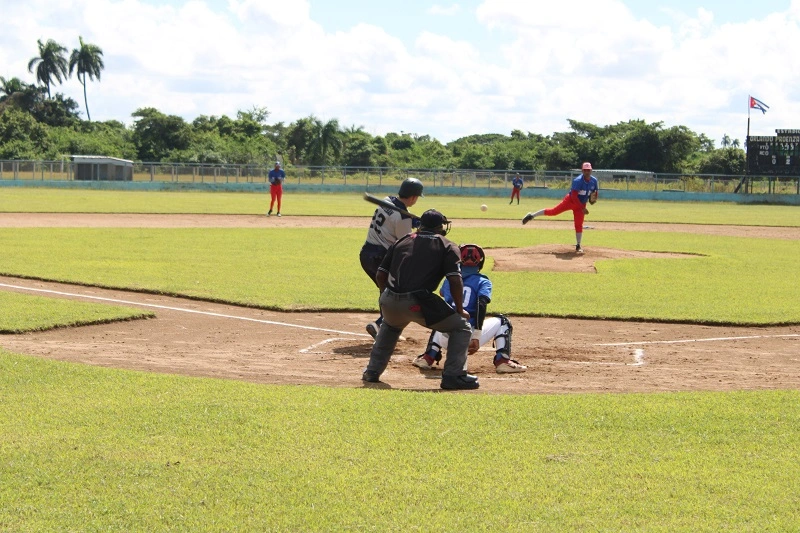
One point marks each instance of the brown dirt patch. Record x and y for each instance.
(213, 340)
(561, 258)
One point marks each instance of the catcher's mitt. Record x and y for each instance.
(593, 197)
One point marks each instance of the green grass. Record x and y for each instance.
(22, 312)
(89, 201)
(101, 449)
(90, 449)
(291, 269)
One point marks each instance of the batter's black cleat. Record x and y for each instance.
(527, 218)
(465, 382)
(372, 329)
(370, 376)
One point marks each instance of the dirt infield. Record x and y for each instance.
(330, 349)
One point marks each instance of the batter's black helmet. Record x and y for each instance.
(472, 256)
(410, 187)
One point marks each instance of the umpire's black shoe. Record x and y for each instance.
(465, 382)
(370, 376)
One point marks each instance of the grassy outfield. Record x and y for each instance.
(87, 201)
(723, 280)
(22, 312)
(87, 448)
(95, 449)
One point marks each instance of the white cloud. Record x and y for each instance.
(591, 61)
(446, 11)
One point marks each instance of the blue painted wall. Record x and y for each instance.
(535, 192)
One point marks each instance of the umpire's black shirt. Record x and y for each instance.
(419, 261)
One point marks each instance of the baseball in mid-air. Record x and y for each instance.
(484, 207)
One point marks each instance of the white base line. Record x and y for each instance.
(326, 341)
(700, 340)
(207, 313)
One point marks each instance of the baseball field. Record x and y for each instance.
(179, 361)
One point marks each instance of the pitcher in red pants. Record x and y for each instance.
(583, 187)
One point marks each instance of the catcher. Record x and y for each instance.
(477, 295)
(584, 189)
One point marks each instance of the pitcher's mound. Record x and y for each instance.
(562, 258)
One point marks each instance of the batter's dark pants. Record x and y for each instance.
(371, 257)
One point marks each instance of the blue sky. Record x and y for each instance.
(445, 69)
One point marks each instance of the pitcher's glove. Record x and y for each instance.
(593, 197)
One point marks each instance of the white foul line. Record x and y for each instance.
(699, 340)
(326, 341)
(208, 313)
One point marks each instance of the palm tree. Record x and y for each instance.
(50, 63)
(736, 143)
(20, 94)
(9, 87)
(87, 61)
(726, 141)
(326, 139)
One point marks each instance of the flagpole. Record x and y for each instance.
(748, 118)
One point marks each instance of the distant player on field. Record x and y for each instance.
(276, 177)
(386, 227)
(516, 189)
(584, 189)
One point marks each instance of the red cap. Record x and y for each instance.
(586, 166)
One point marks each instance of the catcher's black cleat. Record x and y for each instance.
(465, 382)
(527, 218)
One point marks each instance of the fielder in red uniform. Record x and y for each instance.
(276, 177)
(517, 188)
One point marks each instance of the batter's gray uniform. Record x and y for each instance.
(416, 265)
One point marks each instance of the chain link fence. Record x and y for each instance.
(623, 180)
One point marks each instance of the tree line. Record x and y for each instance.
(35, 124)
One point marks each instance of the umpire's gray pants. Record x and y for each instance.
(399, 310)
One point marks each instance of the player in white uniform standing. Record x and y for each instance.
(386, 227)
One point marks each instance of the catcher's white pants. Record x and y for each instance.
(492, 327)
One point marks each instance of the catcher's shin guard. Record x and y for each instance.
(502, 341)
(433, 349)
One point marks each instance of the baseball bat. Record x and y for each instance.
(388, 205)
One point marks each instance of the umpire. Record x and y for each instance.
(408, 277)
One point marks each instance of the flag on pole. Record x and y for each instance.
(755, 103)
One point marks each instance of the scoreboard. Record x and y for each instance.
(778, 155)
